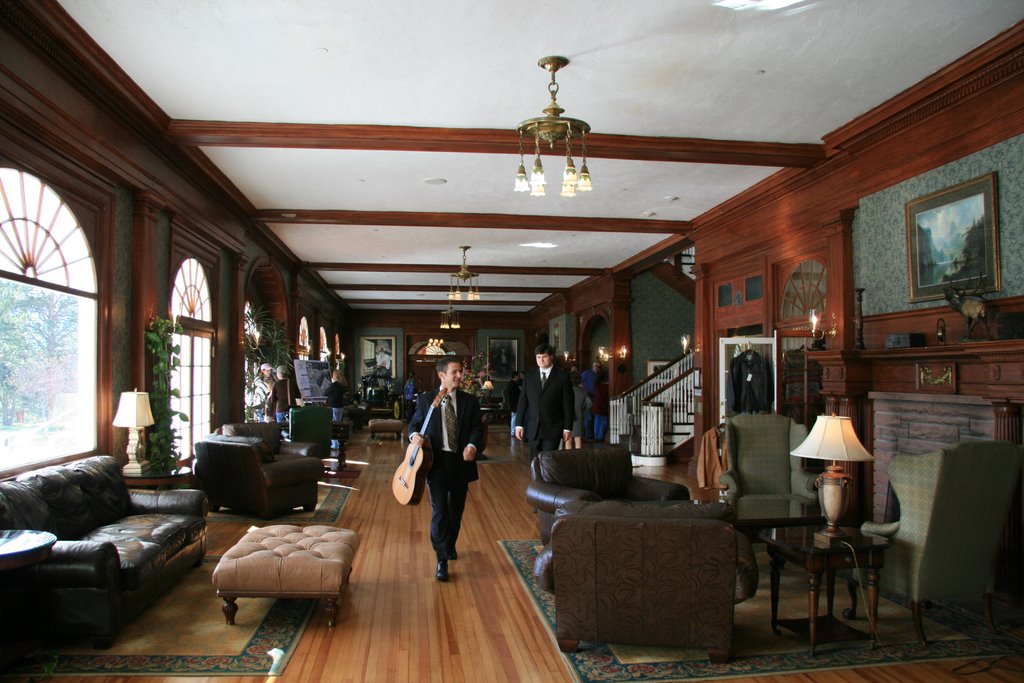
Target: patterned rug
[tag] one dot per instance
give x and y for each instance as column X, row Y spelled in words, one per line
column 331, row 498
column 954, row 633
column 184, row 633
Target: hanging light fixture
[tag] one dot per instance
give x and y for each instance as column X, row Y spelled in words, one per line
column 553, row 128
column 464, row 275
column 450, row 319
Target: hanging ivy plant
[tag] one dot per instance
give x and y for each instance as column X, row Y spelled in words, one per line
column 162, row 450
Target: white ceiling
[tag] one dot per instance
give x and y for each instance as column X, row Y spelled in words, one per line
column 672, row 68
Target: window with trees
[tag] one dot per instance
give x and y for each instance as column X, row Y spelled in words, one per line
column 47, row 326
column 303, row 347
column 325, row 349
column 190, row 305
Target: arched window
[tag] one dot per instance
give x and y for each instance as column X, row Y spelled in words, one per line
column 303, row 350
column 47, row 326
column 804, row 289
column 190, row 306
column 325, row 350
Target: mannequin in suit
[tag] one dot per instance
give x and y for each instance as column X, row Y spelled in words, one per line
column 544, row 415
column 454, row 464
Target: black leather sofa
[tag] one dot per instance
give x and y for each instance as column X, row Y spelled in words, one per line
column 117, row 549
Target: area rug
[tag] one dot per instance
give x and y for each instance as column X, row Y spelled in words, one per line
column 331, row 499
column 954, row 633
column 184, row 633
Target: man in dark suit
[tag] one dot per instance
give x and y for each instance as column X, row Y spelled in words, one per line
column 545, row 412
column 453, row 431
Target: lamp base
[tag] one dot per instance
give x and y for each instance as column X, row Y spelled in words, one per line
column 137, row 464
column 826, row 538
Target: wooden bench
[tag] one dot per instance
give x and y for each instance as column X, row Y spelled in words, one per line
column 285, row 561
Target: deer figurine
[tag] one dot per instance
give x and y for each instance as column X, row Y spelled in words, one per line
column 971, row 307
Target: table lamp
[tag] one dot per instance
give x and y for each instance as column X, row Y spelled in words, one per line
column 133, row 412
column 832, row 438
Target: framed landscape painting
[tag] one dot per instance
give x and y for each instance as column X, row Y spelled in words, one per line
column 502, row 356
column 953, row 240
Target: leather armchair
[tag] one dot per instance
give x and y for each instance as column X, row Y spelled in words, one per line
column 759, row 460
column 271, row 433
column 589, row 474
column 242, row 473
column 953, row 507
column 651, row 574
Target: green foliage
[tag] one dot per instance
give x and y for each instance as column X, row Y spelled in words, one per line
column 162, row 450
column 265, row 342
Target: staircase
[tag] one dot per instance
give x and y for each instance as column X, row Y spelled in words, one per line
column 655, row 416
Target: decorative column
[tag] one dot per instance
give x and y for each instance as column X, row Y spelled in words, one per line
column 858, row 318
column 144, row 284
column 839, row 263
column 620, row 376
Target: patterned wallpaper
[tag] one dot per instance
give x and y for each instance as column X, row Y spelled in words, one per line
column 659, row 317
column 879, row 232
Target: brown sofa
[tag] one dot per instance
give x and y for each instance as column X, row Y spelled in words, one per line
column 589, row 474
column 657, row 574
column 117, row 549
column 242, row 470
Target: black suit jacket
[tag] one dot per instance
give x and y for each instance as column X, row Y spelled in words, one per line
column 468, row 424
column 548, row 413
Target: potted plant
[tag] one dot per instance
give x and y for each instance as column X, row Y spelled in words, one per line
column 165, row 353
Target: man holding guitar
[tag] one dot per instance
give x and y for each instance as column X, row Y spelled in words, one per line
column 452, row 431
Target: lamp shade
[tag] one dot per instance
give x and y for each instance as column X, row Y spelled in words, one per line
column 133, row 410
column 832, row 438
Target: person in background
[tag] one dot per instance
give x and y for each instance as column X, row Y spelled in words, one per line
column 336, row 396
column 588, row 381
column 261, row 387
column 512, row 391
column 600, row 409
column 544, row 414
column 283, row 395
column 581, row 407
column 454, row 430
column 409, row 394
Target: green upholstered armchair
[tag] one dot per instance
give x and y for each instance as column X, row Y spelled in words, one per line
column 759, row 460
column 311, row 423
column 953, row 507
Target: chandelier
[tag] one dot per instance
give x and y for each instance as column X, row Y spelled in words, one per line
column 553, row 128
column 450, row 319
column 463, row 275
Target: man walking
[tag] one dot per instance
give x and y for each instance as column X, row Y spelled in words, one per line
column 453, row 432
column 589, row 382
column 544, row 415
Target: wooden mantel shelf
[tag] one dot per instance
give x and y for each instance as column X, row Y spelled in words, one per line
column 988, row 369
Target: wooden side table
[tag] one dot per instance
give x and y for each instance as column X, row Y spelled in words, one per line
column 797, row 544
column 158, row 480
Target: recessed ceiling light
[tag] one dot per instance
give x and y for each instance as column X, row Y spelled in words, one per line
column 287, row 215
column 434, row 181
column 671, row 198
column 539, row 245
column 763, row 5
column 650, row 214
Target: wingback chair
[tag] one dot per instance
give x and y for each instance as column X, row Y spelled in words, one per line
column 311, row 424
column 589, row 474
column 953, row 507
column 759, row 460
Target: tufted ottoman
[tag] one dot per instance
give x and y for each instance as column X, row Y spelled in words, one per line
column 285, row 561
column 387, row 426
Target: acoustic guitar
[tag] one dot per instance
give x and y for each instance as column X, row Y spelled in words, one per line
column 410, row 477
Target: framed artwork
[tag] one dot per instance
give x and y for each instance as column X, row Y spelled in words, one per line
column 502, row 357
column 377, row 357
column 654, row 366
column 953, row 240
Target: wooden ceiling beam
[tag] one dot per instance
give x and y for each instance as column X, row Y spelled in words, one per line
column 439, row 302
column 444, row 288
column 486, row 141
column 500, row 221
column 447, row 269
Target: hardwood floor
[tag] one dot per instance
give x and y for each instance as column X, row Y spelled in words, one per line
column 397, row 623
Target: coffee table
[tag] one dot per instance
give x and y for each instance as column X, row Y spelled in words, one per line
column 797, row 544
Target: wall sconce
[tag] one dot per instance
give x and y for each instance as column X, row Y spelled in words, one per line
column 685, row 342
column 623, row 352
column 940, row 331
column 818, row 334
column 602, row 354
column 133, row 412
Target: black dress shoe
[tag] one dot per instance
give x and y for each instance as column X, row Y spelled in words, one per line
column 452, row 555
column 442, row 571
